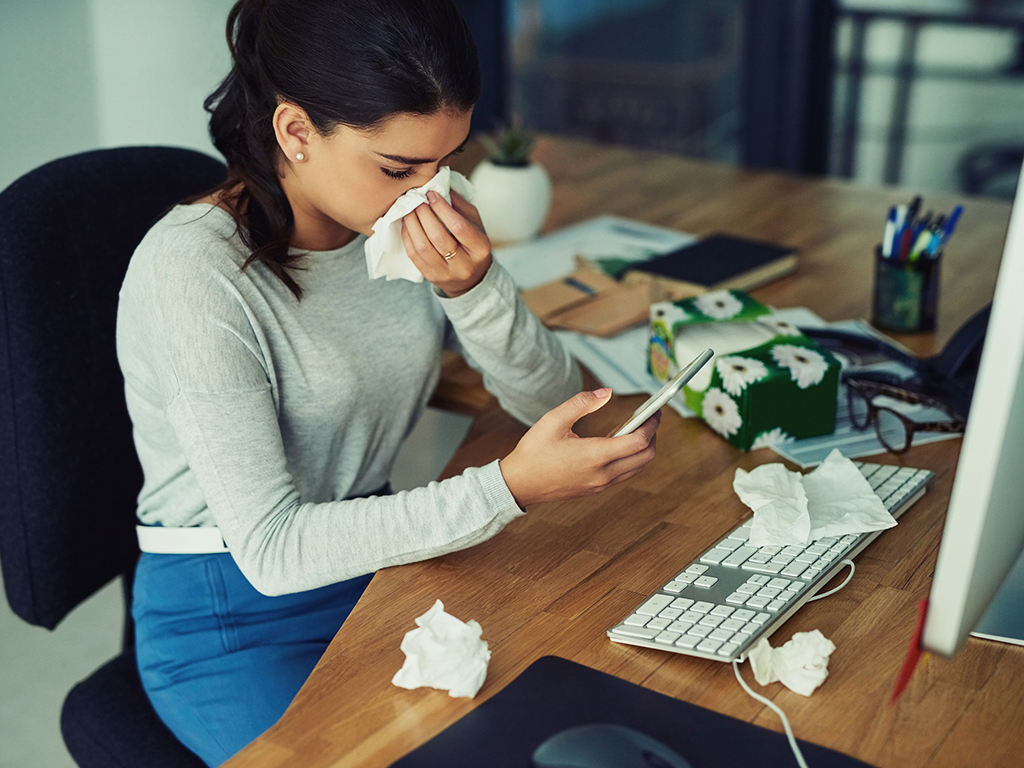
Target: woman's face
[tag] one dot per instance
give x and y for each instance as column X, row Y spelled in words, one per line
column 350, row 178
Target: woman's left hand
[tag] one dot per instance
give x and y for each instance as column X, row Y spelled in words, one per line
column 447, row 243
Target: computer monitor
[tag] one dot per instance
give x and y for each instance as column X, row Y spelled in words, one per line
column 984, row 531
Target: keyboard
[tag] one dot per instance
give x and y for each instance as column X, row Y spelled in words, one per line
column 719, row 606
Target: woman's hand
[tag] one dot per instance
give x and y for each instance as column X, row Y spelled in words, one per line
column 447, row 243
column 551, row 462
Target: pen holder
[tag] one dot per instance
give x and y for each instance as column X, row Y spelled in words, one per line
column 906, row 293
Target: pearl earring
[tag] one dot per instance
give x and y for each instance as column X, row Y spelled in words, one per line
column 300, row 156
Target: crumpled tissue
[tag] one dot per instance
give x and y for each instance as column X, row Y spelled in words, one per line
column 444, row 653
column 385, row 251
column 800, row 664
column 790, row 508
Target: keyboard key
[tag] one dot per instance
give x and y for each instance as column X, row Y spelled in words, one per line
column 721, row 634
column 711, row 621
column 692, row 616
column 671, row 613
column 682, row 602
column 680, row 626
column 758, row 580
column 757, row 602
column 738, row 556
column 761, row 618
column 748, row 588
column 743, row 614
column 715, row 556
column 675, row 587
column 776, row 605
column 667, row 638
column 658, row 623
column 779, row 583
column 762, row 567
column 705, row 582
column 686, row 578
column 642, row 633
column 696, row 569
column 728, row 649
column 721, row 610
column 793, row 569
column 654, row 605
column 769, row 592
column 702, row 607
column 636, row 620
column 737, row 598
column 709, row 646
column 732, row 624
column 697, row 631
column 688, row 642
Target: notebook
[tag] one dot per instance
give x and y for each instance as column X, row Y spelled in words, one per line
column 554, row 694
column 718, row 262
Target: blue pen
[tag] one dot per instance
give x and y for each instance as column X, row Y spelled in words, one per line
column 951, row 222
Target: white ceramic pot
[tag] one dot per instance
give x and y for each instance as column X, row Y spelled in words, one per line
column 513, row 200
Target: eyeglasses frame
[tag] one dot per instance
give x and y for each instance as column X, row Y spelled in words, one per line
column 872, row 389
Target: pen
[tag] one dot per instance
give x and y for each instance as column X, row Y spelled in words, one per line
column 920, row 244
column 951, row 222
column 890, row 233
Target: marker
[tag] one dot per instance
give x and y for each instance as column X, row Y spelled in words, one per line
column 951, row 222
column 920, row 244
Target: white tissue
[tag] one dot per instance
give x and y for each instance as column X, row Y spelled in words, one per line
column 385, row 251
column 444, row 653
column 790, row 508
column 801, row 664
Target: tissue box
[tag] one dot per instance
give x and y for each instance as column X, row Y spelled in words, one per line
column 768, row 383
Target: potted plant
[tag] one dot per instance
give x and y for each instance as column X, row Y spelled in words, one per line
column 513, row 193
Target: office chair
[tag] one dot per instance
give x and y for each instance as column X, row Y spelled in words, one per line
column 69, row 475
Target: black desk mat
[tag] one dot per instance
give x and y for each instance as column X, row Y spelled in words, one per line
column 553, row 694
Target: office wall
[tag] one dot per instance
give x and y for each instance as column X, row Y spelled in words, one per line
column 82, row 74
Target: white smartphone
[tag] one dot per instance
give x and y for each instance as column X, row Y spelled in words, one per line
column 666, row 393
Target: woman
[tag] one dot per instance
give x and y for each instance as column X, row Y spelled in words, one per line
column 271, row 381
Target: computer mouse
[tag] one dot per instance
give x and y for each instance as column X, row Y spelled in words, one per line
column 605, row 745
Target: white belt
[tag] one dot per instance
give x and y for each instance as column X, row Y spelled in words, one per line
column 180, row 541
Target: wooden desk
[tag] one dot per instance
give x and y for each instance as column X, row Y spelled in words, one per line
column 553, row 581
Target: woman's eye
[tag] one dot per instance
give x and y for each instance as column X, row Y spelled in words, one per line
column 397, row 174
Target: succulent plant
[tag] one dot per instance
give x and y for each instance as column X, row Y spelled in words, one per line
column 509, row 146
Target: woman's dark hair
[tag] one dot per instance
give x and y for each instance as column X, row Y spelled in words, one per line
column 345, row 62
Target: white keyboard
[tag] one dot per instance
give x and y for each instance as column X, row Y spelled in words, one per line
column 723, row 603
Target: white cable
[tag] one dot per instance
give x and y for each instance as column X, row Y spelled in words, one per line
column 777, row 710
column 833, row 591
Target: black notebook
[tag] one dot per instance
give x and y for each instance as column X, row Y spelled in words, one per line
column 722, row 261
column 553, row 694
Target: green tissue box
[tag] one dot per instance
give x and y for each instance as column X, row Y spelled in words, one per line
column 767, row 383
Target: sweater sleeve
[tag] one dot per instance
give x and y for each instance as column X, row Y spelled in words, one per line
column 523, row 363
column 201, row 391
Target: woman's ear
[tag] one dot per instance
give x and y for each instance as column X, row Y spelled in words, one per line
column 293, row 130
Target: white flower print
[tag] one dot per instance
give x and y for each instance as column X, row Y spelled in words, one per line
column 779, row 327
column 806, row 367
column 668, row 313
column 721, row 413
column 721, row 305
column 737, row 372
column 771, row 437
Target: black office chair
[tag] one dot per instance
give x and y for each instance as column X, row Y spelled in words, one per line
column 69, row 475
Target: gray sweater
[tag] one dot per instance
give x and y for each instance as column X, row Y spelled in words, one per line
column 260, row 414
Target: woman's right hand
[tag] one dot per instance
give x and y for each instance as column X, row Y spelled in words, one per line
column 552, row 462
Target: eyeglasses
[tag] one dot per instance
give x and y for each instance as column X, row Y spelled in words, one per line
column 895, row 430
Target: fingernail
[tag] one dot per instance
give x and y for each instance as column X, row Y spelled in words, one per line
column 603, row 392
column 432, row 196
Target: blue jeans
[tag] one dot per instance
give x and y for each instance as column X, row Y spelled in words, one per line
column 219, row 661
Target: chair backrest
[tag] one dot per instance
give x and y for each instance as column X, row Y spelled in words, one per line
column 69, row 475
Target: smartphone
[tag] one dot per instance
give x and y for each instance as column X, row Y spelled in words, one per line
column 666, row 393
